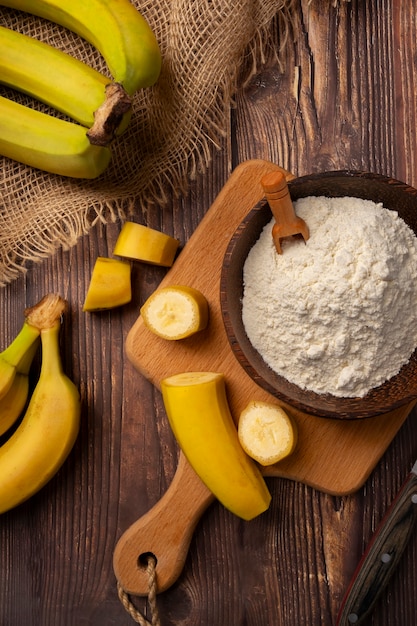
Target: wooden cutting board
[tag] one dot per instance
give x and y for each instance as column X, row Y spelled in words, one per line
column 334, row 456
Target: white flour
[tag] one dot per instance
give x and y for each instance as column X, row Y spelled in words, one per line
column 337, row 314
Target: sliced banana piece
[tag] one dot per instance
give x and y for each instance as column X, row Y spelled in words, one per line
column 266, row 432
column 110, row 285
column 146, row 244
column 175, row 312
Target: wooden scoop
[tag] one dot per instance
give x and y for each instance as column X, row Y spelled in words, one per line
column 287, row 223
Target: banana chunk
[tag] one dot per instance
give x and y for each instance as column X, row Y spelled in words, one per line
column 142, row 243
column 266, row 432
column 115, row 27
column 175, row 312
column 110, row 285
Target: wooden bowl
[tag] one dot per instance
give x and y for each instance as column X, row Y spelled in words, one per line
column 395, row 392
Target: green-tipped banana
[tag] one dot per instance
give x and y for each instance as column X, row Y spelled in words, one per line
column 14, row 358
column 48, row 143
column 64, row 83
column 42, row 441
column 18, row 355
column 114, row 27
column 13, row 403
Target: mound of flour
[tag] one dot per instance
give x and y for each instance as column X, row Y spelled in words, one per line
column 337, row 314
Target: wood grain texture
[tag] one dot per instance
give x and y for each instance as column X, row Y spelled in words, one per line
column 347, row 98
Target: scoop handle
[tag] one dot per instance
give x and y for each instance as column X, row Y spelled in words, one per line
column 287, row 223
column 277, row 193
column 165, row 532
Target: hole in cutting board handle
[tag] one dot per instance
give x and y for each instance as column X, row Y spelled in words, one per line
column 143, row 559
column 163, row 532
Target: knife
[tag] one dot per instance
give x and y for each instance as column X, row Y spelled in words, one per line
column 381, row 556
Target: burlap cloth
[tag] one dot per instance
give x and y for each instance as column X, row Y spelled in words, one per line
column 175, row 127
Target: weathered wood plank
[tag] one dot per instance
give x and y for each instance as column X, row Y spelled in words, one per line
column 347, row 98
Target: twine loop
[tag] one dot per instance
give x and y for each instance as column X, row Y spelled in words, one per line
column 134, row 613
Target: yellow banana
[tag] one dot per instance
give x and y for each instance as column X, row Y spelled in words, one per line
column 13, row 403
column 199, row 414
column 47, row 433
column 114, row 27
column 48, row 143
column 61, row 81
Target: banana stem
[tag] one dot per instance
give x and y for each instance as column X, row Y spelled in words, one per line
column 109, row 116
column 51, row 356
column 46, row 312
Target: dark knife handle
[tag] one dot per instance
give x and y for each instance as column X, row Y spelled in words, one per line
column 381, row 556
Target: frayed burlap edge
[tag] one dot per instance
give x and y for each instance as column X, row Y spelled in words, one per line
column 208, row 49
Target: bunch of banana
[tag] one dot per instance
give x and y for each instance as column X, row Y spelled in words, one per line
column 100, row 106
column 41, row 442
column 77, row 89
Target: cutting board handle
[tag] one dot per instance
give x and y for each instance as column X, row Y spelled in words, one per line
column 165, row 532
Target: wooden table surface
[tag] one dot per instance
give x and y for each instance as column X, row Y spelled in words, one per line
column 347, row 98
